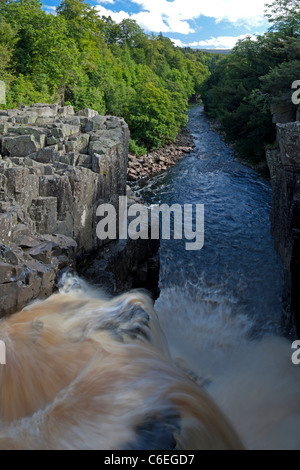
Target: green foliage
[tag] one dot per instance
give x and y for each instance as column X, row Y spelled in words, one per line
column 277, row 83
column 136, row 149
column 152, row 117
column 256, row 75
column 7, row 41
column 284, row 15
column 22, row 91
column 86, row 96
column 80, row 58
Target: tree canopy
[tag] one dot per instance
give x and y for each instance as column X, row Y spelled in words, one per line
column 256, row 76
column 284, row 15
column 77, row 57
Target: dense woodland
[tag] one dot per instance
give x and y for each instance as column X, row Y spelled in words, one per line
column 77, row 57
column 254, row 76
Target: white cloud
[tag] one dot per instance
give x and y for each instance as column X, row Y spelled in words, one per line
column 116, row 16
column 176, row 15
column 178, row 43
column 50, row 9
column 221, row 42
column 151, row 21
column 154, row 21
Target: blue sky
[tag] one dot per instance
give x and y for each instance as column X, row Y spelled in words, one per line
column 203, row 24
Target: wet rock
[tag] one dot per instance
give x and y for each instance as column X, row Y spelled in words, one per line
column 27, row 241
column 62, row 245
column 7, row 222
column 9, row 255
column 284, row 165
column 9, row 273
column 28, row 281
column 125, row 264
column 42, row 252
column 283, row 112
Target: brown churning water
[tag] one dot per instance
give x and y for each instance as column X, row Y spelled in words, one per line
column 87, row 372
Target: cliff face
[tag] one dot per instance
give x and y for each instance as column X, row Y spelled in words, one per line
column 55, row 169
column 284, row 164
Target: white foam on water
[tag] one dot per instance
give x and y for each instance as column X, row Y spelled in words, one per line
column 253, row 381
column 200, row 331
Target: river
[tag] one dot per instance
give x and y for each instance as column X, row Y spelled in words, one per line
column 237, row 278
column 75, row 378
column 221, row 307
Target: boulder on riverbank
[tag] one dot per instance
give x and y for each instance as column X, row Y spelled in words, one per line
column 161, row 159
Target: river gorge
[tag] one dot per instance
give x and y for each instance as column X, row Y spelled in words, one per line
column 220, row 308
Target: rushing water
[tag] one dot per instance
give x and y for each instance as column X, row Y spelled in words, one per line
column 238, row 272
column 88, row 371
column 218, row 304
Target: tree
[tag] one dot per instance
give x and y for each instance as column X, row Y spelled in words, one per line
column 55, row 57
column 7, row 42
column 151, row 116
column 128, row 32
column 131, row 33
column 83, row 20
column 25, row 17
column 284, row 15
column 77, row 57
column 245, row 84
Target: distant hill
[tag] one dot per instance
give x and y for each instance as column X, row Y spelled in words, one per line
column 217, row 51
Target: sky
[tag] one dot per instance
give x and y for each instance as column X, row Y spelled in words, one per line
column 200, row 24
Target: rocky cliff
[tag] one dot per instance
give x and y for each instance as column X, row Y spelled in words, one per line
column 56, row 167
column 284, row 164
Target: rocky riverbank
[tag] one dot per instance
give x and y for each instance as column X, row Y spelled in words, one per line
column 161, row 159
